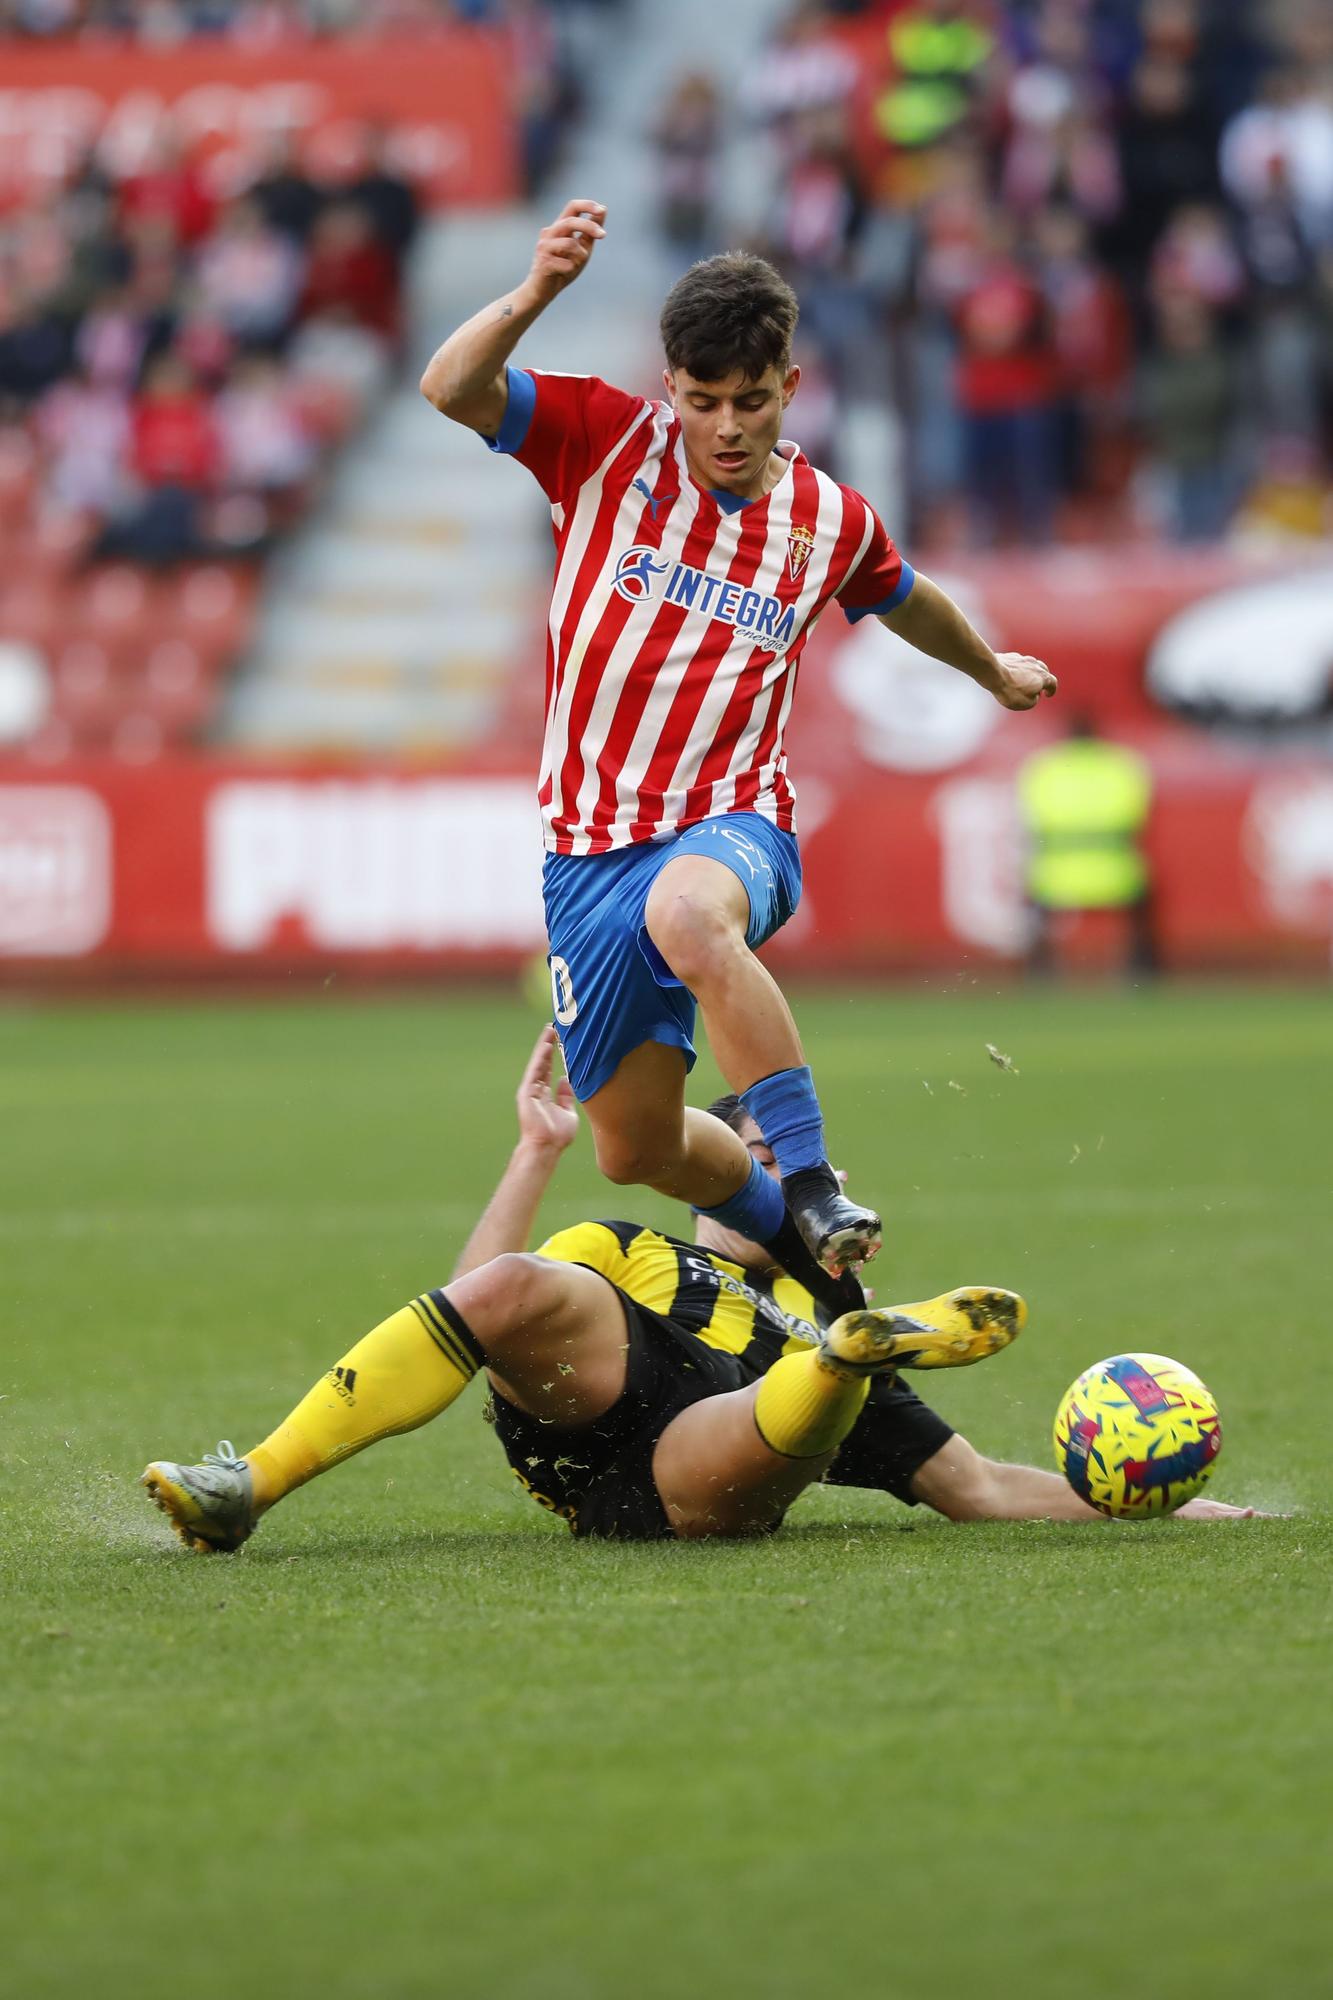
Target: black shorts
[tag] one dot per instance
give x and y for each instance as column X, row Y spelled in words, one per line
column 599, row 1476
column 890, row 1442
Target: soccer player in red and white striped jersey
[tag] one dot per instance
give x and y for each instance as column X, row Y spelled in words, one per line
column 694, row 550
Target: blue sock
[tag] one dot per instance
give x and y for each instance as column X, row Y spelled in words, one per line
column 757, row 1210
column 786, row 1110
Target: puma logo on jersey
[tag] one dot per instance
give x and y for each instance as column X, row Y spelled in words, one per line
column 654, row 500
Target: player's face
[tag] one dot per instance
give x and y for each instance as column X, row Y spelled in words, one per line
column 729, row 1243
column 730, row 428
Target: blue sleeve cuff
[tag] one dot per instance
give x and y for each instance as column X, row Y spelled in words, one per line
column 517, row 420
column 856, row 612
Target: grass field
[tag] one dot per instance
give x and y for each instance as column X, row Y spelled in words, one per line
column 415, row 1741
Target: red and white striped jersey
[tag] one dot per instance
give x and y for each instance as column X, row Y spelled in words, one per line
column 676, row 624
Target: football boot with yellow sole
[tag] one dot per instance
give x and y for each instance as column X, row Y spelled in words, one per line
column 210, row 1505
column 952, row 1331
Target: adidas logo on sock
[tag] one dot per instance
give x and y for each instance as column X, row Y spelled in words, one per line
column 344, row 1381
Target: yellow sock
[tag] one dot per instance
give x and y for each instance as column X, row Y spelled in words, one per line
column 805, row 1408
column 403, row 1373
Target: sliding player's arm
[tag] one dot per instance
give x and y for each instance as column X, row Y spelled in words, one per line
column 929, row 619
column 547, row 1124
column 963, row 1486
column 466, row 378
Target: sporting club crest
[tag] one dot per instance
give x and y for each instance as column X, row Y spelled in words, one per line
column 799, row 544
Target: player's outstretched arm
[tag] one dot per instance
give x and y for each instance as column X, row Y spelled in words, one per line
column 963, row 1486
column 547, row 1123
column 465, row 379
column 929, row 619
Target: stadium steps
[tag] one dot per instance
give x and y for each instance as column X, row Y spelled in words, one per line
column 396, row 617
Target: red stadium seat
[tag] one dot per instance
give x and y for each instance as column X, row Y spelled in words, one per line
column 51, row 744
column 86, row 696
column 138, row 738
column 18, row 480
column 30, row 608
column 177, row 689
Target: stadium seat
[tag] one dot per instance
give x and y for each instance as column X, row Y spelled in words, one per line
column 18, row 480
column 138, row 738
column 176, row 689
column 87, row 699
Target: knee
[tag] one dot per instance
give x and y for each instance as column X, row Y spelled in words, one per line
column 694, row 936
column 639, row 1158
column 503, row 1297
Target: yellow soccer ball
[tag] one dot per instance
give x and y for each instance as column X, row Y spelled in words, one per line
column 1137, row 1434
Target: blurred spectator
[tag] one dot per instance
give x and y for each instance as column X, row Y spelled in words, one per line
column 83, row 426
column 266, row 442
column 34, row 346
column 169, row 190
column 1291, row 325
column 1196, row 253
column 1008, row 386
column 174, row 463
column 1063, row 155
column 688, row 137
column 1188, row 397
column 349, row 269
column 113, row 339
column 249, row 275
column 282, row 191
column 1290, row 504
column 387, row 198
column 1289, row 125
column 1092, row 335
column 950, row 251
column 814, row 233
column 1168, row 155
column 544, row 87
column 332, row 348
column 1085, row 804
column 804, row 68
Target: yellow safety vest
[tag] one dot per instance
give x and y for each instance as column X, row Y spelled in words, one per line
column 1084, row 805
column 935, row 61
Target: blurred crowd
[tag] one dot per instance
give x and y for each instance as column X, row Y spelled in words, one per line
column 187, row 334
column 161, row 22
column 1081, row 249
column 180, row 351
column 179, row 364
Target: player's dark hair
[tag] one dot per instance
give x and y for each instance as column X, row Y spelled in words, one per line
column 729, row 1108
column 729, row 312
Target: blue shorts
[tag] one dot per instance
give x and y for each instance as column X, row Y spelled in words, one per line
column 610, row 987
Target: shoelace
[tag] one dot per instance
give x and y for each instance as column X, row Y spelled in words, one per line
column 224, row 1458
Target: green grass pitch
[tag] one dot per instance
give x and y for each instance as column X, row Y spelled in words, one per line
column 416, row 1741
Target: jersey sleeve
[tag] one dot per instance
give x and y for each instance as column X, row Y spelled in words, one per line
column 881, row 579
column 593, row 1244
column 563, row 426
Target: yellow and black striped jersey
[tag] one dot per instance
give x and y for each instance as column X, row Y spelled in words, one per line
column 753, row 1314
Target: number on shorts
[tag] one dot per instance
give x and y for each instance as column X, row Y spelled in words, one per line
column 566, row 1007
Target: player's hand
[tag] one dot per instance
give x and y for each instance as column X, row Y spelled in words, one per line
column 1023, row 681
column 1217, row 1510
column 564, row 247
column 548, row 1118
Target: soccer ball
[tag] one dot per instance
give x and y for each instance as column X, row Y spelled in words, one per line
column 1137, row 1435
